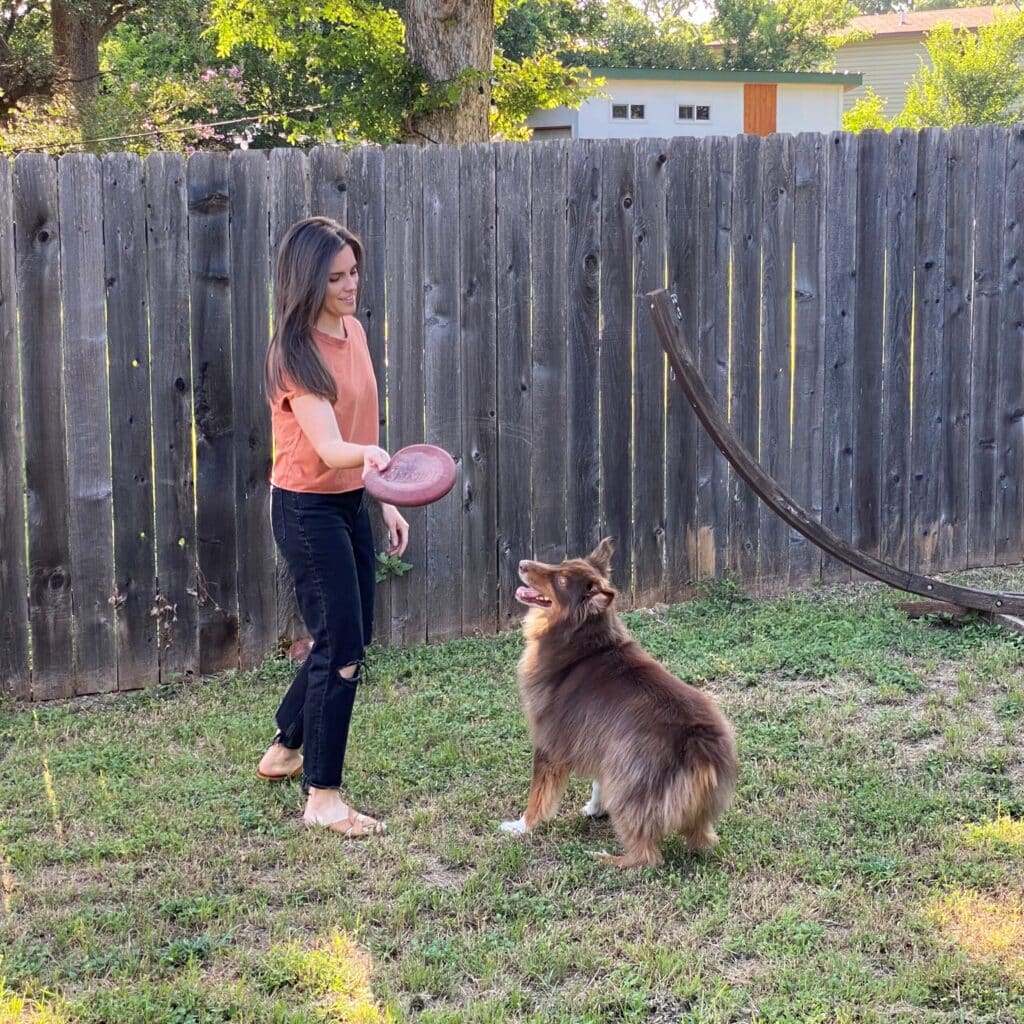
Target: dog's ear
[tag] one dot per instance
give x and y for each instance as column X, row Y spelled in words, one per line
column 602, row 597
column 601, row 557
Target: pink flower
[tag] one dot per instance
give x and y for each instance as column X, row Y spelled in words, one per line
column 235, row 72
column 208, row 74
column 134, row 87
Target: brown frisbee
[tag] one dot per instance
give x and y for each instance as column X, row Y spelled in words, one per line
column 416, row 475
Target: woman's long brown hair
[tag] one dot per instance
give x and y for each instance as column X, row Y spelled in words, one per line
column 300, row 287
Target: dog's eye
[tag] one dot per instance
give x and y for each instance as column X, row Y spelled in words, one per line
column 561, row 581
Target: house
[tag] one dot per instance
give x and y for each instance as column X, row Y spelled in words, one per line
column 642, row 102
column 895, row 50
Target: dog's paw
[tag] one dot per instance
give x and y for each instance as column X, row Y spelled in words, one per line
column 517, row 827
column 592, row 809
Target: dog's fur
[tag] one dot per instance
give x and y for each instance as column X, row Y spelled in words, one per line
column 661, row 753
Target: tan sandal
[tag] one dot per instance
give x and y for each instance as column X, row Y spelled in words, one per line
column 352, row 826
column 280, row 776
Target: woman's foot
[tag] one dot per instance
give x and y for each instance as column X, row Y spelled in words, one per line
column 326, row 809
column 279, row 763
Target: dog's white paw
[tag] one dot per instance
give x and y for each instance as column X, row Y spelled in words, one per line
column 517, row 827
column 592, row 808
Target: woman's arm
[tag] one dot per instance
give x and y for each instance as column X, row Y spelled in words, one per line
column 398, row 529
column 316, row 418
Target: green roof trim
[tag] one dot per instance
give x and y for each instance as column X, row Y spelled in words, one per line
column 848, row 79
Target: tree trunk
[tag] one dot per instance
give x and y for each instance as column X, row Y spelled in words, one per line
column 78, row 30
column 445, row 38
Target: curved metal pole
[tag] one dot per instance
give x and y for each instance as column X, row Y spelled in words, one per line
column 667, row 323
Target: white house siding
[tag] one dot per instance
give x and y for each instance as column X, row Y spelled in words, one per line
column 801, row 107
column 661, row 101
column 809, row 108
column 887, row 65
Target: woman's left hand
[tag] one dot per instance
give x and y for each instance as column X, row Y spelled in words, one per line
column 398, row 529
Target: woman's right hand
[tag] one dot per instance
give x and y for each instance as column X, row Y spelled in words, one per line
column 374, row 458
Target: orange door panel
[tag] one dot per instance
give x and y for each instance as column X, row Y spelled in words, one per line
column 759, row 107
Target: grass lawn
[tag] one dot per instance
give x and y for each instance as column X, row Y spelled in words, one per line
column 871, row 868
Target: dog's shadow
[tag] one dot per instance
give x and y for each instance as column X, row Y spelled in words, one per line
column 595, row 836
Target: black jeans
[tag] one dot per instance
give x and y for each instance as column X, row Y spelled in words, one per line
column 328, row 544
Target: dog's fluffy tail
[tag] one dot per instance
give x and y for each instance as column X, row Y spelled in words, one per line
column 704, row 787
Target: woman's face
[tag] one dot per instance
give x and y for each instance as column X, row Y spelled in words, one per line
column 342, row 284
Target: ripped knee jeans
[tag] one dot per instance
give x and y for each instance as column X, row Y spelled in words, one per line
column 327, row 543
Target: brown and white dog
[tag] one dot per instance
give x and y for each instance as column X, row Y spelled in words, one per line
column 661, row 753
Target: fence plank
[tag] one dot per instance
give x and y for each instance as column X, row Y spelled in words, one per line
column 1010, row 432
column 210, row 275
column 954, row 495
column 615, row 357
column 777, row 351
column 809, row 332
column 479, row 395
column 87, row 404
column 549, row 288
column 364, row 214
column 250, row 334
column 867, row 351
column 928, row 361
column 650, row 238
column 582, row 494
column 682, row 429
column 329, row 182
column 403, row 205
column 982, row 455
column 900, row 258
column 289, row 202
column 716, row 175
column 37, row 234
column 177, row 612
column 15, row 677
column 840, row 303
column 744, row 399
column 517, row 446
column 131, row 416
column 442, row 378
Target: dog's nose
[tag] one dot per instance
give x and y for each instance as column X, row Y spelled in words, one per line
column 522, row 565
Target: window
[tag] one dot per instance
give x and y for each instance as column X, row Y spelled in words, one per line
column 628, row 111
column 693, row 112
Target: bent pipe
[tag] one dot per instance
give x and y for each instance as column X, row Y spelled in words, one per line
column 667, row 323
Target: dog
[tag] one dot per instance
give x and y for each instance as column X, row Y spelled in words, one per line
column 660, row 752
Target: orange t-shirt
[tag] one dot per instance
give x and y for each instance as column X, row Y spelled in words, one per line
column 297, row 467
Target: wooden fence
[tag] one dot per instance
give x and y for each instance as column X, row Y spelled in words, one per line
column 857, row 302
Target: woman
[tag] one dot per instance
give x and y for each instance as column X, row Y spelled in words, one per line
column 324, row 412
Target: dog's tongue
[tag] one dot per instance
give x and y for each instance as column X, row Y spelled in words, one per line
column 526, row 594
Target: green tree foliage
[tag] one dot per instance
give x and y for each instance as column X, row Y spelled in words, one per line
column 26, row 53
column 624, row 37
column 867, row 112
column 974, row 78
column 780, row 35
column 352, row 53
column 346, row 57
column 535, row 83
column 160, row 87
column 527, row 28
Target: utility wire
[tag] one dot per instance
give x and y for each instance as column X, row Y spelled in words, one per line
column 180, row 129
